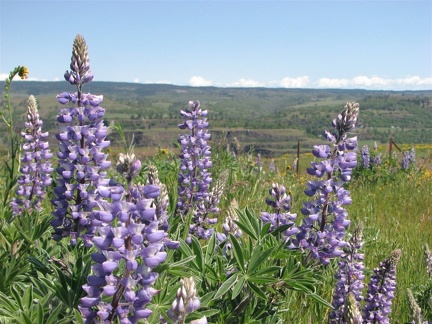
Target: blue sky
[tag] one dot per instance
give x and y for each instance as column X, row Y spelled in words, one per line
column 301, row 44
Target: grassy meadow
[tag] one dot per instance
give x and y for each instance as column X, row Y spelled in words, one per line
column 259, row 281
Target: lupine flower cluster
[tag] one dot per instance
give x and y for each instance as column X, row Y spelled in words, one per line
column 408, row 158
column 349, row 277
column 365, row 157
column 323, row 230
column 35, row 164
column 161, row 203
column 185, row 303
column 272, row 167
column 428, row 258
column 128, row 236
column 194, row 178
column 82, row 162
column 280, row 202
column 381, row 291
column 229, row 226
column 376, row 160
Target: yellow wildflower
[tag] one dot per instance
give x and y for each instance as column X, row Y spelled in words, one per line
column 23, row 72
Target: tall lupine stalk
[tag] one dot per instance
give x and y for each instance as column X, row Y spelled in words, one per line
column 12, row 163
column 35, row 166
column 381, row 289
column 349, row 278
column 129, row 245
column 194, row 178
column 281, row 204
column 82, row 162
column 322, row 232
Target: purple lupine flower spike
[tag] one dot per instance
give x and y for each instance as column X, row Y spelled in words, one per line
column 322, row 231
column 365, row 157
column 194, row 178
column 281, row 205
column 80, row 68
column 381, row 289
column 82, row 162
column 129, row 234
column 349, row 277
column 35, row 164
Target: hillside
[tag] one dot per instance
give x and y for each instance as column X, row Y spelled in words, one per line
column 268, row 120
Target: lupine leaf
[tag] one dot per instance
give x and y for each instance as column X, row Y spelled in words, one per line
column 258, row 257
column 246, row 229
column 226, row 285
column 238, row 287
column 238, row 252
column 245, row 225
column 265, row 229
column 267, row 271
column 210, row 248
column 258, row 292
column 196, row 247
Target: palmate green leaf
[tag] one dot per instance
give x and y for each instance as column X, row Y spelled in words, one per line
column 238, row 253
column 257, row 258
column 266, row 271
column 226, row 285
column 245, row 225
column 258, row 292
column 238, row 286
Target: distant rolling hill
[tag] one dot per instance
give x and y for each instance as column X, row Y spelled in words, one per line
column 266, row 120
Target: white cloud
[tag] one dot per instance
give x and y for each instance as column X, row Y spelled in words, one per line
column 136, row 80
column 374, row 81
column 333, row 83
column 246, row 83
column 415, row 81
column 299, row 82
column 197, row 81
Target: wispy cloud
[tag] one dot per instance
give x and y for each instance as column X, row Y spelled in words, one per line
column 197, row 81
column 377, row 83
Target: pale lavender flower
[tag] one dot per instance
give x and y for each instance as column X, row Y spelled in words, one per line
column 408, row 158
column 195, row 178
column 349, row 277
column 376, row 160
column 82, row 162
column 272, row 167
column 186, row 302
column 35, row 164
column 323, row 230
column 365, row 157
column 229, row 226
column 381, row 290
column 280, row 202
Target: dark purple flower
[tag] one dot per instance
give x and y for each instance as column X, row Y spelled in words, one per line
column 280, row 202
column 381, row 290
column 349, row 277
